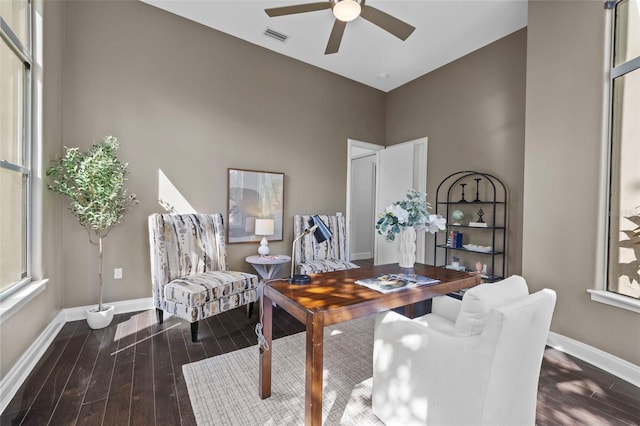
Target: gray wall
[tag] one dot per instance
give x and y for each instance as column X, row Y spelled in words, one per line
column 564, row 210
column 472, row 111
column 193, row 102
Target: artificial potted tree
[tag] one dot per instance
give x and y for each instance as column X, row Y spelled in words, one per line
column 94, row 182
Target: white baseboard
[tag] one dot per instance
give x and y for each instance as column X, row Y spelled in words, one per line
column 596, row 357
column 15, row 377
column 122, row 307
column 361, row 256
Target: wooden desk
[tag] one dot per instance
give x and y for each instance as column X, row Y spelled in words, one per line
column 333, row 298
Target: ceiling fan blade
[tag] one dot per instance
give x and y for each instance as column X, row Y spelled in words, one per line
column 336, row 37
column 398, row 28
column 297, row 8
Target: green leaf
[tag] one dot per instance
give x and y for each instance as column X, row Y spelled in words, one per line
column 94, row 182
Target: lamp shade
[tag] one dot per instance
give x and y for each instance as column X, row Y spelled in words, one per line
column 346, row 10
column 264, row 227
column 321, row 233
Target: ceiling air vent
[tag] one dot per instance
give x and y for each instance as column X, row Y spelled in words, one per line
column 275, row 34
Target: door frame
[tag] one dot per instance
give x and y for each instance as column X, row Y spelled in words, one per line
column 420, row 149
column 420, row 180
column 353, row 146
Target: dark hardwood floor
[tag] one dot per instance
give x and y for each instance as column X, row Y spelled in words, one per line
column 131, row 373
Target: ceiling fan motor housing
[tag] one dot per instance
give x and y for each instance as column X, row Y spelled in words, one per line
column 346, row 10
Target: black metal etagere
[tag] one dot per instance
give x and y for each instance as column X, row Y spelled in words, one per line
column 456, row 192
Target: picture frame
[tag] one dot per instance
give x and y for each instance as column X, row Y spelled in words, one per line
column 251, row 195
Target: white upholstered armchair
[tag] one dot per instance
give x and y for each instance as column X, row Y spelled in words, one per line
column 470, row 362
column 331, row 255
column 189, row 268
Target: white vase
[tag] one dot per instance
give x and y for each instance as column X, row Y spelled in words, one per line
column 101, row 319
column 407, row 247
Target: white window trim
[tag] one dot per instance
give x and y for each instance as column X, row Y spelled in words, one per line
column 24, row 54
column 13, row 299
column 615, row 299
column 602, row 294
column 17, row 299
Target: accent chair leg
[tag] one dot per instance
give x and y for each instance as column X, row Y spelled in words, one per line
column 159, row 316
column 194, row 331
column 250, row 310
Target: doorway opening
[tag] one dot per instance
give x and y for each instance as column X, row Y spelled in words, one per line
column 376, row 177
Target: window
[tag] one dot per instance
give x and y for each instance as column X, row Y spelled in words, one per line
column 15, row 143
column 623, row 272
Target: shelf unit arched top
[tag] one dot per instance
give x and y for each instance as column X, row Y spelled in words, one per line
column 455, row 178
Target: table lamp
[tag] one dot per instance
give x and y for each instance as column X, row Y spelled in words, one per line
column 321, row 233
column 264, row 227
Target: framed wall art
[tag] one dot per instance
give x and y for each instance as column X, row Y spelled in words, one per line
column 252, row 195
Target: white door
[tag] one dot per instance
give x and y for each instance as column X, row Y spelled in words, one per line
column 398, row 168
column 395, row 177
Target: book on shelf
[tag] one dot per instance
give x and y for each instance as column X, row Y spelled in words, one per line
column 454, row 239
column 393, row 282
column 478, row 224
column 458, row 239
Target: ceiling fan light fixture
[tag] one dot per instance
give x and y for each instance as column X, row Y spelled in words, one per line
column 346, row 10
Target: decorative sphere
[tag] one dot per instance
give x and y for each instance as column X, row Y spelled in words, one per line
column 457, row 215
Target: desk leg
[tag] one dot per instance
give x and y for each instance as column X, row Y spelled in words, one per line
column 313, row 371
column 265, row 354
column 410, row 311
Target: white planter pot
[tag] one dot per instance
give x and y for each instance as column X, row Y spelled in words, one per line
column 98, row 320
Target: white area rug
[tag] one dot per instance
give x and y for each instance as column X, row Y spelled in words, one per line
column 224, row 389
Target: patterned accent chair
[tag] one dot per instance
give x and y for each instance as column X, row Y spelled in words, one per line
column 189, row 269
column 331, row 255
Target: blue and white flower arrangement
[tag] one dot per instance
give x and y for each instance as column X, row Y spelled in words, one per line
column 412, row 212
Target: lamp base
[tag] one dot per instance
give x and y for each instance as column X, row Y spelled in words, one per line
column 300, row 279
column 263, row 250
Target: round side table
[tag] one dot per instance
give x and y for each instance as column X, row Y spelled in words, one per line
column 268, row 266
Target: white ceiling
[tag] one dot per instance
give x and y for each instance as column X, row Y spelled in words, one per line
column 445, row 30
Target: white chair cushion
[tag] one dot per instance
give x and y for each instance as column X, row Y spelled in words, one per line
column 478, row 301
column 447, row 307
column 436, row 322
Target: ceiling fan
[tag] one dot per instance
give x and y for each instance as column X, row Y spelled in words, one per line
column 345, row 11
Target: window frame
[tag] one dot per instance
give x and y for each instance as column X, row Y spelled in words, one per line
column 25, row 55
column 605, row 295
